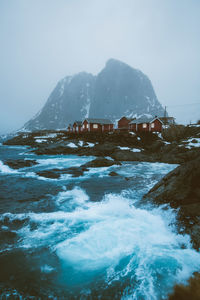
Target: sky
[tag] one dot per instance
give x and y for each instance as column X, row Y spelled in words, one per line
column 42, row 41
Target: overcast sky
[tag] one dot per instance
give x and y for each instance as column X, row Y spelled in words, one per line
column 42, row 41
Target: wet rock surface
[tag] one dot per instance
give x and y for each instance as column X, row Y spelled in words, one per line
column 20, row 163
column 57, row 173
column 153, row 147
column 181, row 189
column 100, row 162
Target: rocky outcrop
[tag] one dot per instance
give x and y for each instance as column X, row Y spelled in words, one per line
column 116, row 91
column 20, row 163
column 190, row 291
column 57, row 173
column 181, row 189
column 101, row 162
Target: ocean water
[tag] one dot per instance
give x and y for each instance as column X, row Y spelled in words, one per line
column 88, row 237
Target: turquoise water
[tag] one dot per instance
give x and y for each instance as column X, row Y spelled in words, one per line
column 87, row 237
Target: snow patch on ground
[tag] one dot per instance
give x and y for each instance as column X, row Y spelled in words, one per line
column 50, row 135
column 192, row 142
column 72, row 145
column 90, row 145
column 130, row 149
column 40, row 141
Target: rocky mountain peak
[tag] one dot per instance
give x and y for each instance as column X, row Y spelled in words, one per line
column 116, row 91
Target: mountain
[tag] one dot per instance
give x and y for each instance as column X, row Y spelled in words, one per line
column 118, row 90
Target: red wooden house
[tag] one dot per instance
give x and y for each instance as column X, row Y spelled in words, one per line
column 97, row 125
column 123, row 123
column 146, row 125
column 77, row 126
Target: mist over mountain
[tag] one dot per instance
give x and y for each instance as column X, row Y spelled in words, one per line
column 118, row 90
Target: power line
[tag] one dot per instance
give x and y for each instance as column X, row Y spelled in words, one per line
column 186, row 104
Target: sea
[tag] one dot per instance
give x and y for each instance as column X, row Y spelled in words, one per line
column 87, row 237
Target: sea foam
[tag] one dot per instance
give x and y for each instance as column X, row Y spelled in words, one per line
column 115, row 238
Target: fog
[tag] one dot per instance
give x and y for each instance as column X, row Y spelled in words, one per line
column 43, row 41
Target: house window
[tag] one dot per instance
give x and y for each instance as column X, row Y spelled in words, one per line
column 144, row 125
column 152, row 125
column 95, row 126
column 87, row 125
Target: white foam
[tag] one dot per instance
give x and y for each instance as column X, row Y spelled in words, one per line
column 72, row 198
column 110, row 231
column 6, row 170
column 64, row 161
column 47, row 269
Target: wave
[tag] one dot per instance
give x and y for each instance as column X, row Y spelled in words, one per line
column 115, row 238
column 5, row 169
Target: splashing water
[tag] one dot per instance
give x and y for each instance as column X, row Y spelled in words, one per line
column 5, row 169
column 122, row 242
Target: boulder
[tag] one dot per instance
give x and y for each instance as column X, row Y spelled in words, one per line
column 190, row 291
column 56, row 173
column 20, row 163
column 127, row 155
column 181, row 189
column 113, row 174
column 100, row 162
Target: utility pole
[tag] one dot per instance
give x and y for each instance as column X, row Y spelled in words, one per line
column 165, row 115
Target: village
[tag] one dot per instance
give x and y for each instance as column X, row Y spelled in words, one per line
column 142, row 124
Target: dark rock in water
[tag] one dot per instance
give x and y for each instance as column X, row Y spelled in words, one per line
column 56, row 173
column 190, row 291
column 49, row 174
column 76, row 171
column 124, row 90
column 181, row 189
column 113, row 174
column 100, row 162
column 20, row 163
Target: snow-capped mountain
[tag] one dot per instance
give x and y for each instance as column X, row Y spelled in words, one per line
column 118, row 90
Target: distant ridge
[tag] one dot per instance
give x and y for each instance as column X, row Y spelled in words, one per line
column 116, row 91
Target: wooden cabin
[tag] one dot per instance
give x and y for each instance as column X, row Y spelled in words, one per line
column 97, row 125
column 123, row 123
column 77, row 126
column 146, row 125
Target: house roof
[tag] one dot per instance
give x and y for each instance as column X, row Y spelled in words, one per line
column 166, row 118
column 79, row 123
column 129, row 119
column 144, row 120
column 99, row 121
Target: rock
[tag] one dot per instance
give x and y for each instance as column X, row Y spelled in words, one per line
column 20, row 163
column 104, row 149
column 113, row 174
column 100, row 162
column 56, row 173
column 190, row 291
column 49, row 174
column 126, row 155
column 181, row 189
column 124, row 90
